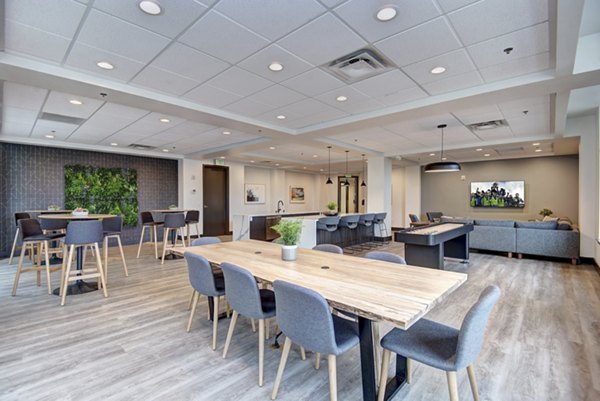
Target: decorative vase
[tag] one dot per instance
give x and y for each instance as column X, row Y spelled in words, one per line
column 288, row 252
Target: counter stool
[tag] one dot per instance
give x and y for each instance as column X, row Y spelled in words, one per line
column 52, row 226
column 365, row 224
column 379, row 221
column 81, row 234
column 192, row 217
column 32, row 234
column 326, row 225
column 18, row 216
column 112, row 228
column 349, row 223
column 148, row 222
column 176, row 222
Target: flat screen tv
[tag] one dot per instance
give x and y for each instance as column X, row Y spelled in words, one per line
column 498, row 194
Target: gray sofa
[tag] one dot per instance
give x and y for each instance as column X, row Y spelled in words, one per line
column 544, row 238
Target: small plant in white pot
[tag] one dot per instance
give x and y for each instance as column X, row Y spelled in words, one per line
column 331, row 208
column 289, row 231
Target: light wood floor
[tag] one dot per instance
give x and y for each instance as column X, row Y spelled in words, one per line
column 543, row 342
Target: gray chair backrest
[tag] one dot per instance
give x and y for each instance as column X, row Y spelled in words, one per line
column 205, row 241
column 29, row 228
column 242, row 291
column 52, row 224
column 431, row 216
column 366, row 219
column 113, row 224
column 414, row 218
column 147, row 217
column 472, row 329
column 174, row 220
column 21, row 215
column 303, row 315
column 349, row 221
column 84, row 232
column 329, row 223
column 380, row 217
column 192, row 216
column 386, row 257
column 201, row 275
column 331, row 248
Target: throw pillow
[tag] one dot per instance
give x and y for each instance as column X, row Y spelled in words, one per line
column 550, row 218
column 540, row 225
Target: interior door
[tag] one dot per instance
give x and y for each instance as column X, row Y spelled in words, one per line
column 215, row 193
column 348, row 195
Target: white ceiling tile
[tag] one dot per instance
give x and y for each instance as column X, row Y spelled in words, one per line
column 211, row 96
column 495, row 134
column 527, row 65
column 384, row 84
column 313, row 82
column 490, row 18
column 427, row 40
column 451, row 5
column 479, row 114
column 164, row 81
column 117, row 36
column 277, row 95
column 309, row 107
column 235, row 42
column 24, row 39
column 525, row 42
column 353, row 95
column 149, row 125
column 456, row 63
column 60, row 17
column 331, row 3
column 23, row 96
column 402, row 96
column 183, row 60
column 110, row 118
column 315, row 42
column 271, row 18
column 22, row 129
column 361, row 15
column 259, row 63
column 84, row 57
column 248, row 107
column 318, row 117
column 461, row 81
column 241, row 82
column 16, row 121
column 60, row 130
column 534, row 105
column 58, row 103
column 174, row 17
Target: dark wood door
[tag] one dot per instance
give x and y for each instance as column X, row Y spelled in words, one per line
column 215, row 193
column 348, row 194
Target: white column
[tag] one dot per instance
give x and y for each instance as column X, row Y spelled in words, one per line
column 190, row 187
column 412, row 192
column 379, row 189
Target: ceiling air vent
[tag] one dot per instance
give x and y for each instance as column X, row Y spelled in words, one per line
column 487, row 125
column 358, row 65
column 62, row 119
column 139, row 146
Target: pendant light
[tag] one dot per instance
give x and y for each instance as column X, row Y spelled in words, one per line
column 346, row 182
column 329, row 166
column 363, row 184
column 442, row 166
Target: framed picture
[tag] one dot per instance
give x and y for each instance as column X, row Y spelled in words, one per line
column 296, row 194
column 254, row 193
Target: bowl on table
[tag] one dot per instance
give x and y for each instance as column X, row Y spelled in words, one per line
column 80, row 212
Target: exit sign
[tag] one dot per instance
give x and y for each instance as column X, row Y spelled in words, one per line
column 219, row 162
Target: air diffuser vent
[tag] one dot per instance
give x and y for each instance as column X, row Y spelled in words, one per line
column 487, row 125
column 139, row 146
column 62, row 119
column 359, row 65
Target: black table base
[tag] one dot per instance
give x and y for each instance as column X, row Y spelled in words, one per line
column 79, row 287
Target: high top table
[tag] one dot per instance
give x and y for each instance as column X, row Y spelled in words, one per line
column 372, row 289
column 172, row 255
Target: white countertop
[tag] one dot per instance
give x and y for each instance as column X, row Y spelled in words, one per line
column 277, row 214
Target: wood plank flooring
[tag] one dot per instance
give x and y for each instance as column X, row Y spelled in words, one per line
column 543, row 342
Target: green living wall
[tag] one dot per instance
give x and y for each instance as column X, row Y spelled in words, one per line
column 103, row 190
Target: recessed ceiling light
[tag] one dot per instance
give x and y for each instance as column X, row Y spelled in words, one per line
column 251, row 161
column 275, row 66
column 272, row 147
column 49, row 136
column 315, row 155
column 164, row 120
column 165, row 150
column 438, row 70
column 487, row 154
column 341, row 98
column 150, row 7
column 277, row 164
column 478, row 150
column 320, row 169
column 105, row 65
column 226, row 133
column 536, row 144
column 76, row 102
column 538, row 150
column 222, row 157
column 444, row 158
column 304, row 167
column 114, row 144
column 432, row 154
column 281, row 117
column 386, row 13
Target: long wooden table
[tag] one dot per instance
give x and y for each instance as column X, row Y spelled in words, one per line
column 372, row 289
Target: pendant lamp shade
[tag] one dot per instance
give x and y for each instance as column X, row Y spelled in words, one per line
column 442, row 166
column 363, row 183
column 329, row 166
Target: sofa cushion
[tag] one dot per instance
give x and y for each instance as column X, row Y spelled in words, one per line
column 564, row 225
column 539, row 225
column 462, row 220
column 495, row 223
column 550, row 218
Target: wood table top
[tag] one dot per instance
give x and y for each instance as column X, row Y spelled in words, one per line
column 380, row 291
column 69, row 216
column 48, row 211
column 435, row 229
column 171, row 210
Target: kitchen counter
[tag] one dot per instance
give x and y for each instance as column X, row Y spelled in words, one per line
column 257, row 226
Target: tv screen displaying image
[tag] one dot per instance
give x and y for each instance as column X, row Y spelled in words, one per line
column 498, row 194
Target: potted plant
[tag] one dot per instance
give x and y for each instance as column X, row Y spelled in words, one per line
column 172, row 207
column 331, row 208
column 546, row 212
column 289, row 231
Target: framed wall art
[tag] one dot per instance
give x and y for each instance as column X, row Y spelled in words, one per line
column 254, row 193
column 296, row 194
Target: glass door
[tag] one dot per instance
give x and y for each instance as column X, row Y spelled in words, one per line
column 348, row 194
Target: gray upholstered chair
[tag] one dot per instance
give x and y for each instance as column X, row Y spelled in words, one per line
column 192, row 217
column 216, row 269
column 82, row 234
column 365, row 230
column 386, row 257
column 206, row 241
column 248, row 300
column 328, row 248
column 303, row 315
column 441, row 346
column 18, row 216
column 173, row 222
column 31, row 235
column 112, row 228
column 349, row 223
column 204, row 282
column 414, row 218
column 326, row 227
column 149, row 223
column 379, row 221
column 434, row 216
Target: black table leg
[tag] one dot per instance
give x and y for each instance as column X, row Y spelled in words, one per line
column 211, row 310
column 79, row 286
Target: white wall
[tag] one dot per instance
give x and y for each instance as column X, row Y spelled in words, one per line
column 398, row 200
column 310, row 183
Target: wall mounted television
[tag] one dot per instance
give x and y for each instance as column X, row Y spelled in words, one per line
column 498, row 194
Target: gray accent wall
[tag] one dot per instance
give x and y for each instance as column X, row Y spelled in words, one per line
column 550, row 182
column 32, row 177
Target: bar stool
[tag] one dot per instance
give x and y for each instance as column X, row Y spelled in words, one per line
column 326, row 225
column 174, row 223
column 18, row 216
column 192, row 217
column 112, row 228
column 365, row 224
column 379, row 221
column 81, row 234
column 148, row 221
column 32, row 234
column 52, row 226
column 349, row 223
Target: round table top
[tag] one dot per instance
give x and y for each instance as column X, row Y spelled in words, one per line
column 69, row 216
column 49, row 211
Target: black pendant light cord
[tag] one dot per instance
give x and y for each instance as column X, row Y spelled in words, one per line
column 442, row 126
column 329, row 166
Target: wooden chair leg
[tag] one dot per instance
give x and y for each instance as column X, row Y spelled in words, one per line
column 155, row 242
column 191, row 299
column 473, row 381
column 189, row 237
column 165, row 235
column 45, row 245
column 122, row 256
column 253, row 325
column 261, row 352
column 18, row 275
column 62, row 270
column 100, row 269
column 38, row 277
column 317, row 360
column 408, row 370
column 105, row 245
column 230, row 332
column 332, row 369
column 215, row 322
column 14, row 247
column 385, row 363
column 67, row 274
column 284, row 356
column 452, row 386
column 194, row 303
column 141, row 240
column 302, row 354
column 267, row 329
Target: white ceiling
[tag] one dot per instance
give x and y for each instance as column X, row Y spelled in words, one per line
column 203, row 65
